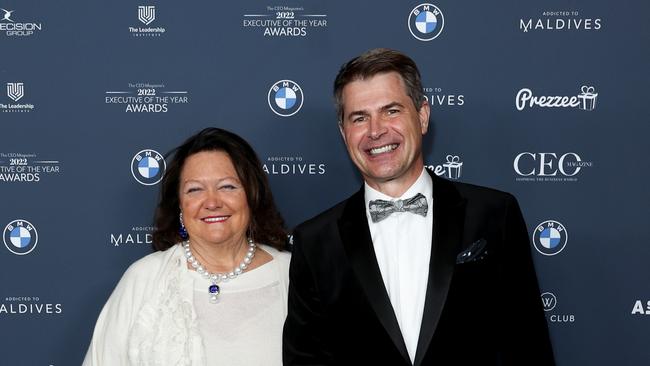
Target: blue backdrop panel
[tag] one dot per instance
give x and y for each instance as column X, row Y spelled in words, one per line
column 544, row 100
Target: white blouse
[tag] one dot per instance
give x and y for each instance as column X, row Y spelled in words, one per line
column 159, row 314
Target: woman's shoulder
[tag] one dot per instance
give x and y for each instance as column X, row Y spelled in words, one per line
column 282, row 257
column 150, row 264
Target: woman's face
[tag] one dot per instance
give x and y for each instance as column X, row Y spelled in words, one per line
column 213, row 200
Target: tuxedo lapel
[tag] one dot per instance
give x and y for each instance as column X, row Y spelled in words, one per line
column 448, row 217
column 355, row 235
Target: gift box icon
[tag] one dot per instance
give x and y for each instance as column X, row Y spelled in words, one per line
column 453, row 166
column 587, row 98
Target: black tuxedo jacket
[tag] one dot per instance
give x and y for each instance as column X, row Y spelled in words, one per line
column 481, row 308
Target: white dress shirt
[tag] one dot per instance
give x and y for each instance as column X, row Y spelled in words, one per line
column 402, row 244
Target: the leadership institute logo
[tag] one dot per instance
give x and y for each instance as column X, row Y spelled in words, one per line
column 20, row 237
column 148, row 167
column 147, row 14
column 15, row 91
column 285, row 98
column 550, row 237
column 426, row 22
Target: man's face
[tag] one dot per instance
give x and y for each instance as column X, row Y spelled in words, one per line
column 383, row 130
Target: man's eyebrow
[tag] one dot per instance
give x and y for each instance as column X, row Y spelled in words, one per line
column 391, row 105
column 364, row 112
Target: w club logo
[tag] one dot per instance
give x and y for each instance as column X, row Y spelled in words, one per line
column 15, row 91
column 147, row 14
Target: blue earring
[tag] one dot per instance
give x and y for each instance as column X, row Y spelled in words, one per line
column 182, row 231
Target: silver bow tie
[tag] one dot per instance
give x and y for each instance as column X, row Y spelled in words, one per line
column 381, row 209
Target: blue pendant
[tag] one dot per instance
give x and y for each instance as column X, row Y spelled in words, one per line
column 214, row 289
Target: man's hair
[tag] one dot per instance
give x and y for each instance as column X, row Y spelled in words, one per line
column 378, row 61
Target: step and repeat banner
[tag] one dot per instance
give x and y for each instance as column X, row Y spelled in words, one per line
column 546, row 100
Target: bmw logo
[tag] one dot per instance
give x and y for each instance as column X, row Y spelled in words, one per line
column 148, row 167
column 20, row 237
column 426, row 22
column 285, row 98
column 550, row 237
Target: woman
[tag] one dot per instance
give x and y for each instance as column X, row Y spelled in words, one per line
column 214, row 292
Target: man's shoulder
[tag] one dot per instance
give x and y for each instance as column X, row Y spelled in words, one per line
column 481, row 196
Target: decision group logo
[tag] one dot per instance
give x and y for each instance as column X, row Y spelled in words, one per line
column 148, row 167
column 15, row 92
column 285, row 98
column 550, row 237
column 20, row 237
column 12, row 28
column 426, row 22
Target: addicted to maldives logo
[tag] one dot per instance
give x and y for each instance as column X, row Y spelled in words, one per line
column 20, row 237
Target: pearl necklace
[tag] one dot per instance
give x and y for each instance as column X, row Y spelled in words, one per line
column 215, row 278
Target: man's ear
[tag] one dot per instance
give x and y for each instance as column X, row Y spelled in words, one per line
column 424, row 114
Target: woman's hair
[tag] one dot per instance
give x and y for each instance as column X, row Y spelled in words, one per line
column 266, row 225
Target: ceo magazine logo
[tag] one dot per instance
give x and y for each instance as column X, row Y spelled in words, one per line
column 585, row 101
column 549, row 166
column 562, row 21
column 15, row 93
column 143, row 97
column 11, row 25
column 550, row 302
column 285, row 21
column 146, row 16
column 550, row 237
column 426, row 22
column 641, row 308
column 285, row 98
column 20, row 237
column 439, row 98
column 292, row 165
column 148, row 167
column 25, row 167
column 136, row 235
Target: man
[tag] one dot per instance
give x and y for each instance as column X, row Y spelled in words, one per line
column 412, row 269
